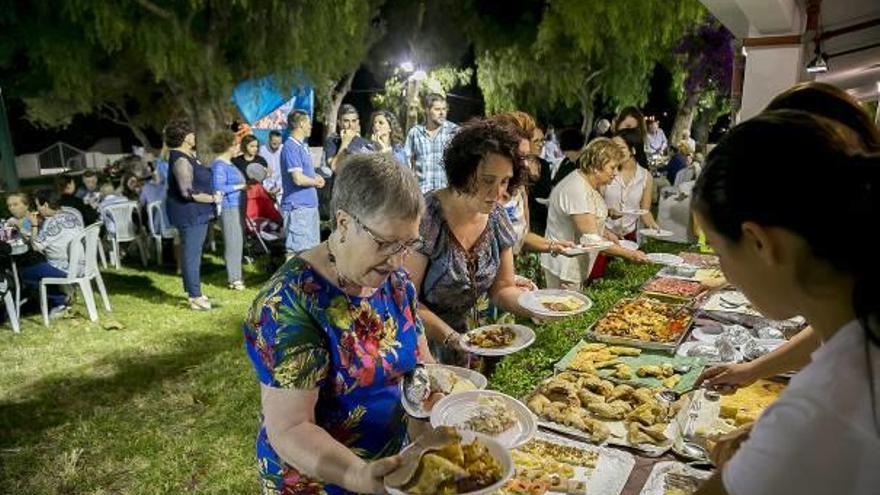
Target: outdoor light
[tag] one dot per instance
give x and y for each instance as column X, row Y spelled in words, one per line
column 419, row 75
column 407, row 66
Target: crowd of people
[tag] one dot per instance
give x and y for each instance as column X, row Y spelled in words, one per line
column 411, row 255
column 425, row 230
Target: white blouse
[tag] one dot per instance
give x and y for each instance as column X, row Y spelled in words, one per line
column 820, row 436
column 572, row 196
column 621, row 196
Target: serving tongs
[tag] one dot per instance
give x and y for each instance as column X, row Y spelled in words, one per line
column 430, row 441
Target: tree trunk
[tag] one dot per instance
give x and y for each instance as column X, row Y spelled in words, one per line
column 684, row 119
column 703, row 123
column 333, row 100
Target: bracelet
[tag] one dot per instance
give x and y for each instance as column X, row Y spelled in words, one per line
column 449, row 336
column 550, row 248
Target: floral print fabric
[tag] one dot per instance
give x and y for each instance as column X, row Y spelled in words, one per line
column 304, row 333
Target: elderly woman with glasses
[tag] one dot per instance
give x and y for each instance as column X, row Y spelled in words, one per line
column 331, row 335
column 468, row 250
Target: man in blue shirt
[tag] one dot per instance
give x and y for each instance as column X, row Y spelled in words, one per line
column 299, row 184
column 425, row 144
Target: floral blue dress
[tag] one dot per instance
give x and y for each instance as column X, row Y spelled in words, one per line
column 302, row 332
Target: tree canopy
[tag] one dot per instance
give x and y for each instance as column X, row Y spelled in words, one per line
column 584, row 50
column 151, row 58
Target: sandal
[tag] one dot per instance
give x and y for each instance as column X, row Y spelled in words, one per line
column 237, row 285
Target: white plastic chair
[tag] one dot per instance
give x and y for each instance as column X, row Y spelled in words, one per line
column 11, row 306
column 125, row 230
column 158, row 229
column 82, row 269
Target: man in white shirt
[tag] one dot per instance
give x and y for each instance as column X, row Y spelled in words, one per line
column 656, row 143
column 271, row 152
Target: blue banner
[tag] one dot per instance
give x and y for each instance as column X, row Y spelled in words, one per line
column 265, row 107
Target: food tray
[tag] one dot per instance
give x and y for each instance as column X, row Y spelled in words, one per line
column 675, row 298
column 618, row 433
column 668, row 347
column 700, row 259
column 612, row 470
column 656, row 483
column 645, row 358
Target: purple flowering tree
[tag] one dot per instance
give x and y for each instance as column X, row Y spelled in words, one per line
column 705, row 61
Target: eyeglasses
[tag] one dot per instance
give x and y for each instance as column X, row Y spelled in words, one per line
column 390, row 248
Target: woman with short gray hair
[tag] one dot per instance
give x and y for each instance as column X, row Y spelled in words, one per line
column 332, row 333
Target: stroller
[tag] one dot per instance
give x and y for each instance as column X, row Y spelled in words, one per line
column 263, row 222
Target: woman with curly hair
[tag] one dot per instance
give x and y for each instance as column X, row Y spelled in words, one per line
column 468, row 237
column 387, row 136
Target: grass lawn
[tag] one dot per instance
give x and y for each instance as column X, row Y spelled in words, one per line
column 168, row 403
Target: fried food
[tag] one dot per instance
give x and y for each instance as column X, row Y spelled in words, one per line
column 561, row 304
column 661, row 371
column 644, row 319
column 638, row 433
column 455, row 468
column 622, row 372
column 672, row 381
column 492, row 337
column 620, row 350
column 586, row 401
column 621, row 392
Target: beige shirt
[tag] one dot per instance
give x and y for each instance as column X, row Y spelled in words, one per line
column 572, row 196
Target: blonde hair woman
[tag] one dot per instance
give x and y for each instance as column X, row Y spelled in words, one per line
column 576, row 207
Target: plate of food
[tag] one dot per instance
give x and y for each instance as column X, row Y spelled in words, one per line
column 450, row 462
column 440, row 379
column 497, row 340
column 643, row 322
column 551, row 464
column 633, row 366
column 594, row 409
column 656, row 233
column 627, row 244
column 664, row 259
column 674, row 478
column 589, row 244
column 491, row 413
column 555, row 302
column 701, row 260
column 674, row 288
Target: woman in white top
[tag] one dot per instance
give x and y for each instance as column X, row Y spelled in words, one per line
column 822, row 435
column 630, row 191
column 576, row 208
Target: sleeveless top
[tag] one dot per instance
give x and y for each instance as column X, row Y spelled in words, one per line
column 455, row 278
column 625, row 197
column 182, row 210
